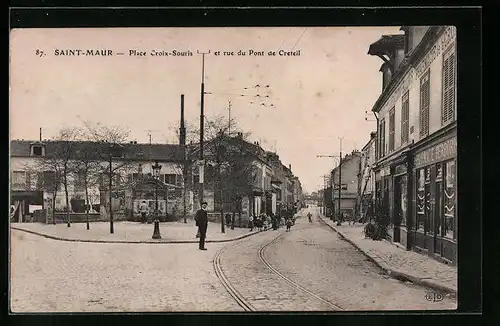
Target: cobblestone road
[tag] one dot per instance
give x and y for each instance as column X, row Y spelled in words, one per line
column 318, row 259
column 55, row 276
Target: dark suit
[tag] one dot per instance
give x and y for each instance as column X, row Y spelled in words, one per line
column 201, row 218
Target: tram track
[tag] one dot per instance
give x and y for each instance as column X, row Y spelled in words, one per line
column 242, row 301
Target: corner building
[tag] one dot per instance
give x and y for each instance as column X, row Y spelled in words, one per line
column 416, row 146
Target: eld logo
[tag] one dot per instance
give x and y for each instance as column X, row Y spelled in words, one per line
column 434, row 296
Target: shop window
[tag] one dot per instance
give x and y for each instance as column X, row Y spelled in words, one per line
column 420, row 200
column 428, row 214
column 439, row 200
column 404, row 198
column 405, row 118
column 449, row 75
column 424, row 104
column 450, row 199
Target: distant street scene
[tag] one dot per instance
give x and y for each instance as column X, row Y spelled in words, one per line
column 249, row 169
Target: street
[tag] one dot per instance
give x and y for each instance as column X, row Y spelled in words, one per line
column 308, row 269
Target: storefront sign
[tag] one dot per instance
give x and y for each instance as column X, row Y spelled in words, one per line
column 438, row 153
column 400, row 169
column 386, row 171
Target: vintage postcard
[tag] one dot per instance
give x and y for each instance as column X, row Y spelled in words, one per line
column 233, row 169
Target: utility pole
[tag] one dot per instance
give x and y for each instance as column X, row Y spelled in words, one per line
column 339, row 221
column 202, row 117
column 111, row 227
column 229, row 121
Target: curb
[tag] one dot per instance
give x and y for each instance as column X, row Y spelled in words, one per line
column 393, row 273
column 133, row 242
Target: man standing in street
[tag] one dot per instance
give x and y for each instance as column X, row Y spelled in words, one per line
column 144, row 210
column 201, row 219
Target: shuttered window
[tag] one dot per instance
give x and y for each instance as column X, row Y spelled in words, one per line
column 449, row 75
column 391, row 129
column 382, row 138
column 405, row 118
column 424, row 104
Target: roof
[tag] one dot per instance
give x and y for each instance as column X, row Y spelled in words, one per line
column 160, row 152
column 387, row 43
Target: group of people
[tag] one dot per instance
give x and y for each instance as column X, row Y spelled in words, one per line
column 262, row 222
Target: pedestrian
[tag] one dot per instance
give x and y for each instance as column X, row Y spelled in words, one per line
column 309, row 217
column 288, row 224
column 201, row 219
column 250, row 222
column 144, row 211
column 258, row 224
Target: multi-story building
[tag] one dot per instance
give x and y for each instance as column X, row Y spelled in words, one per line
column 415, row 171
column 348, row 171
column 37, row 178
column 367, row 177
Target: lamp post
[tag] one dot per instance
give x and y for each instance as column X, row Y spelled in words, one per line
column 156, row 172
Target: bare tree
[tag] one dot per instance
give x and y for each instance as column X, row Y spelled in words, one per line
column 49, row 170
column 110, row 144
column 87, row 167
column 59, row 158
column 231, row 169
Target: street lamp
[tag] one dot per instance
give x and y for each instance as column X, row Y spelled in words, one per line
column 156, row 173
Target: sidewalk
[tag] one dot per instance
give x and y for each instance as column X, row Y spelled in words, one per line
column 397, row 262
column 132, row 232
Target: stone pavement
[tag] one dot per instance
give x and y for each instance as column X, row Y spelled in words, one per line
column 51, row 276
column 132, row 232
column 398, row 262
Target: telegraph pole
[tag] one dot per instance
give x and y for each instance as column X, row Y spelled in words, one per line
column 339, row 221
column 229, row 121
column 202, row 117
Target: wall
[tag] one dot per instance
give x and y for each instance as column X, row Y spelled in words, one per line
column 411, row 81
column 350, row 170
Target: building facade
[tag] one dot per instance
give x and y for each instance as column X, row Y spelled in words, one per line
column 37, row 179
column 348, row 171
column 367, row 179
column 415, row 171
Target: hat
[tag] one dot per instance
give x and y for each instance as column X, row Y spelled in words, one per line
column 204, row 203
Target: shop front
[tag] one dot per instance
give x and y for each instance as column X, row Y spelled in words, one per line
column 383, row 191
column 435, row 217
column 400, row 202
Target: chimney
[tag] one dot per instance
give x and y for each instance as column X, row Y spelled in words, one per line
column 290, row 167
column 40, row 133
column 182, row 129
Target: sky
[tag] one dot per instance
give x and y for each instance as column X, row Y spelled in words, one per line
column 313, row 98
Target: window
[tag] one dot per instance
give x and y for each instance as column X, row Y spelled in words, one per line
column 449, row 200
column 449, row 74
column 196, row 178
column 170, row 178
column 49, row 179
column 19, row 179
column 405, row 117
column 424, row 104
column 382, row 138
column 79, row 181
column 420, row 199
column 37, row 150
column 391, row 129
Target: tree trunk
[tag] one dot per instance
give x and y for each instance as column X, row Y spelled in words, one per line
column 54, row 206
column 67, row 198
column 88, row 202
